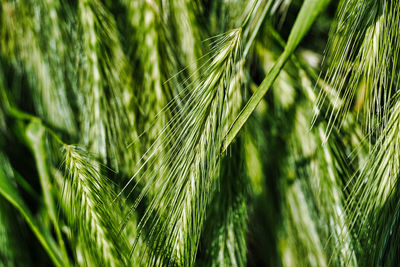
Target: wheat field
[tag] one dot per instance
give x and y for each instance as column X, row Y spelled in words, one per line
column 199, row 133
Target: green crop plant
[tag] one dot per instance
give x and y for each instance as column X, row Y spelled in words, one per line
column 199, row 133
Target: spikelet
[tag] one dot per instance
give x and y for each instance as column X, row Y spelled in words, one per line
column 363, row 61
column 223, row 240
column 189, row 168
column 373, row 206
column 102, row 77
column 88, row 204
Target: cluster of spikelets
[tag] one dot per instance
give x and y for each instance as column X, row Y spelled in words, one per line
column 183, row 133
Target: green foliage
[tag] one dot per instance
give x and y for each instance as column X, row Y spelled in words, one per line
column 199, row 133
